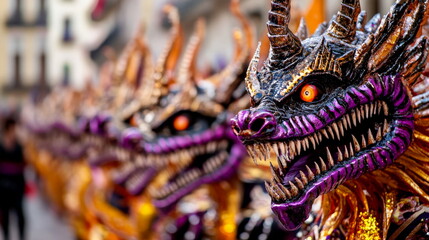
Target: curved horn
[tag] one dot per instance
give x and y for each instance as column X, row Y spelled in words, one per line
column 343, row 27
column 166, row 64
column 252, row 82
column 188, row 66
column 168, row 59
column 284, row 44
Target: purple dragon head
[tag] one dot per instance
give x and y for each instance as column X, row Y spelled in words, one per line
column 332, row 106
column 184, row 132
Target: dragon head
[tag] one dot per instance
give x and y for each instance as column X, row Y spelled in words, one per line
column 332, row 106
column 184, row 133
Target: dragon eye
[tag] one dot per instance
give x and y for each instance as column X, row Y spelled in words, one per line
column 181, row 123
column 134, row 121
column 309, row 93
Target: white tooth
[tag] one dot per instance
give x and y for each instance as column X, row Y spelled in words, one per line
column 256, row 153
column 282, row 164
column 322, row 164
column 269, row 150
column 325, row 133
column 283, row 161
column 337, row 132
column 306, row 144
column 224, row 144
column 292, row 149
column 276, row 149
column 293, row 188
column 249, row 151
column 316, row 138
column 349, row 124
column 346, row 152
column 356, row 144
column 359, row 114
column 309, row 172
column 317, row 168
column 385, row 109
column 205, row 168
column 344, row 124
column 174, row 184
column 330, row 158
column 304, row 178
column 188, row 178
column 354, row 117
column 264, row 151
column 379, row 136
column 385, row 126
column 275, row 174
column 271, row 191
column 340, row 155
column 331, row 132
column 181, row 181
column 260, row 152
column 195, row 174
column 319, row 136
column 299, row 183
column 363, row 142
column 283, row 148
column 286, row 192
column 298, row 146
column 279, row 149
column 351, row 150
column 313, row 141
column 377, row 107
column 371, row 139
column 341, row 128
column 211, row 147
column 277, row 189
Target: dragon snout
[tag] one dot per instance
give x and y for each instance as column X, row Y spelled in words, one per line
column 253, row 124
column 131, row 138
column 98, row 124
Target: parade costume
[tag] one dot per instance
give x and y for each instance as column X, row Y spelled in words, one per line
column 345, row 111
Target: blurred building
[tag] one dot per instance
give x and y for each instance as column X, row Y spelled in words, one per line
column 23, row 44
column 51, row 42
column 78, row 32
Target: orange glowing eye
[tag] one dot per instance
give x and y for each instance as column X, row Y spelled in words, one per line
column 181, row 123
column 134, row 121
column 309, row 93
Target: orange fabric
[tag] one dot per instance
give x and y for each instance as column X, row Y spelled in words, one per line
column 315, row 14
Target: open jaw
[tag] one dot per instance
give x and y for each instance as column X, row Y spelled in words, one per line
column 134, row 179
column 211, row 160
column 367, row 136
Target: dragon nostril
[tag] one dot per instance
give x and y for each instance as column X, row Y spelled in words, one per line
column 236, row 129
column 257, row 125
column 269, row 127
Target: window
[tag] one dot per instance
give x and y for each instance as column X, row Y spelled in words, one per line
column 15, row 18
column 66, row 74
column 67, row 35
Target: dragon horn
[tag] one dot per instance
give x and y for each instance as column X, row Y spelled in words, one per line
column 284, row 44
column 252, row 82
column 343, row 27
column 164, row 70
column 187, row 70
column 168, row 60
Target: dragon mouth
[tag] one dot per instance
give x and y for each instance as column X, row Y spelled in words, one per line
column 186, row 169
column 191, row 165
column 316, row 164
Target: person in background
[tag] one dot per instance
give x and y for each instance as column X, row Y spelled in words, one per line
column 12, row 182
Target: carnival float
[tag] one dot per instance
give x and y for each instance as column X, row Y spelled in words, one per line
column 337, row 124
